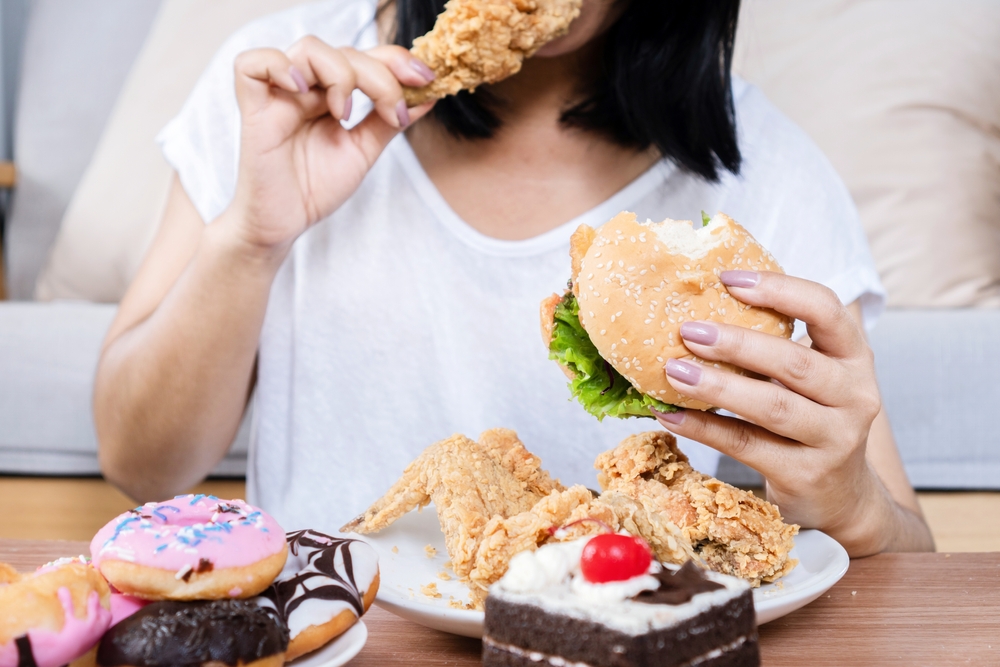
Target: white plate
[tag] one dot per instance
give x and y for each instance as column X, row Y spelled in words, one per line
column 405, row 567
column 337, row 652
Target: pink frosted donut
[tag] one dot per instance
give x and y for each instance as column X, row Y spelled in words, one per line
column 52, row 617
column 193, row 547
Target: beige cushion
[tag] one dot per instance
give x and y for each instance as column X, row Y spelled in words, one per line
column 114, row 212
column 904, row 97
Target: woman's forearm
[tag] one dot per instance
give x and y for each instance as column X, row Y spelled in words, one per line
column 170, row 391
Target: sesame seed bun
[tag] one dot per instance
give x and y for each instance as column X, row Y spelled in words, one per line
column 637, row 283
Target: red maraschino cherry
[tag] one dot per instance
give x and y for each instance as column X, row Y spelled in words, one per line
column 614, row 557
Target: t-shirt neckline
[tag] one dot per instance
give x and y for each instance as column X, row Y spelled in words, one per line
column 550, row 240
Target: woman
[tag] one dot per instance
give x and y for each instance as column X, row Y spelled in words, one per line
column 377, row 291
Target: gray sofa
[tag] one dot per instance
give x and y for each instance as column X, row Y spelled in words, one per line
column 936, row 367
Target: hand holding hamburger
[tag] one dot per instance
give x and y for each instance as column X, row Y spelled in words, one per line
column 633, row 286
column 808, row 433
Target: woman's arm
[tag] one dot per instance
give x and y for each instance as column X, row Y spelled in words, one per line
column 177, row 364
column 818, row 435
column 176, row 367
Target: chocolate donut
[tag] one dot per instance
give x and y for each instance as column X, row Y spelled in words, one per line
column 190, row 634
column 327, row 584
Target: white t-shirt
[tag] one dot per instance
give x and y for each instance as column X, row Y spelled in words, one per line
column 393, row 324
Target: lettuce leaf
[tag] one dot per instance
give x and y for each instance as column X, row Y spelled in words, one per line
column 601, row 390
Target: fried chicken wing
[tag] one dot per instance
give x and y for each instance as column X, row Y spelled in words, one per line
column 483, row 41
column 730, row 530
column 470, row 484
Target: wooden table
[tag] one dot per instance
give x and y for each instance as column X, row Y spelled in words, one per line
column 892, row 609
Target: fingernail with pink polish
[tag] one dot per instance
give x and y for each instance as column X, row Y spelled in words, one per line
column 299, row 80
column 674, row 418
column 402, row 113
column 684, row 371
column 702, row 333
column 348, row 105
column 422, row 70
column 740, row 278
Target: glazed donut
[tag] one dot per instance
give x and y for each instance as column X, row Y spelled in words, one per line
column 327, row 584
column 194, row 547
column 51, row 617
column 210, row 632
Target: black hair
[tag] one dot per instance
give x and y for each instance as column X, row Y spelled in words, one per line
column 663, row 81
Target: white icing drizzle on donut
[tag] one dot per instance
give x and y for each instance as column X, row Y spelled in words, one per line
column 322, row 577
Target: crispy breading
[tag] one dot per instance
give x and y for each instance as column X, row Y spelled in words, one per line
column 504, row 537
column 483, row 41
column 730, row 530
column 664, row 536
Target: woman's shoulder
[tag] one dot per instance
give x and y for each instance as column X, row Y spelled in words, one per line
column 774, row 148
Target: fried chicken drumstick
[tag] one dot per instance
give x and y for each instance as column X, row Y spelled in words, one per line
column 483, row 41
column 728, row 529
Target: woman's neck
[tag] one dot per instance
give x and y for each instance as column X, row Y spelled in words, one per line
column 535, row 173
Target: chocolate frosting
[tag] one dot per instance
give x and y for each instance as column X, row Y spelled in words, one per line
column 25, row 658
column 678, row 587
column 325, row 582
column 187, row 634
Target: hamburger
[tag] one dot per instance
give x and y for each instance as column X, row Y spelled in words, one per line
column 632, row 287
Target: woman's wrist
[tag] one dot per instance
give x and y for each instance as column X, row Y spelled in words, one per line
column 227, row 234
column 877, row 523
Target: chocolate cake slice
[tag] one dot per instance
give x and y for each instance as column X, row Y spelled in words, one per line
column 545, row 612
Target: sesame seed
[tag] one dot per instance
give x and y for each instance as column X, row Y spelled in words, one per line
column 604, row 331
column 614, row 346
column 646, row 321
column 589, row 276
column 619, row 313
column 612, row 318
column 621, row 263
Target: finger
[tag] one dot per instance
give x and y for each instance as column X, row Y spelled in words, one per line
column 766, row 404
column 380, row 84
column 745, row 442
column 801, row 369
column 409, row 71
column 828, row 321
column 326, row 67
column 373, row 134
column 257, row 71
